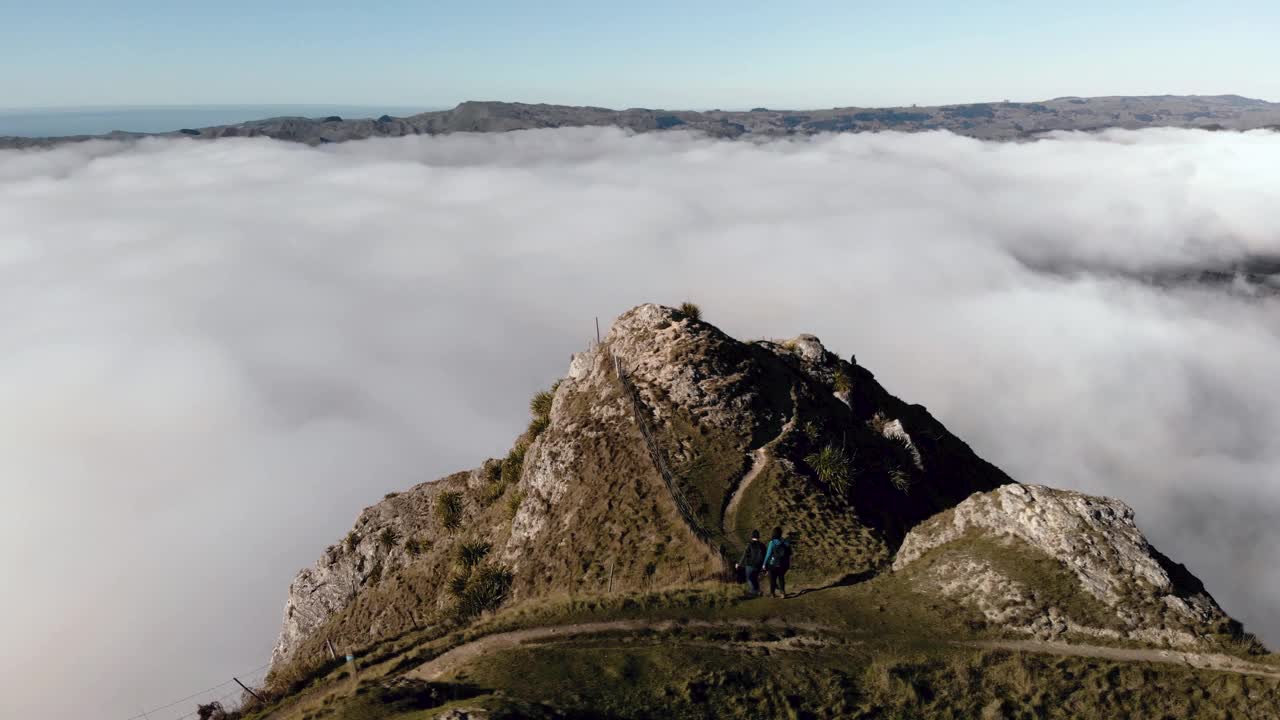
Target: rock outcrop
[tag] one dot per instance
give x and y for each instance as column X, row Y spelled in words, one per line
column 985, row 551
column 397, row 532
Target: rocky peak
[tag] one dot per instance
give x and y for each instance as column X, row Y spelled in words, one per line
column 667, row 443
column 1124, row 586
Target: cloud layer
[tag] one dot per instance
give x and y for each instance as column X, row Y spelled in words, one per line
column 214, row 354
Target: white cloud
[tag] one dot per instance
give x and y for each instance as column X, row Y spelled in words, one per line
column 215, row 353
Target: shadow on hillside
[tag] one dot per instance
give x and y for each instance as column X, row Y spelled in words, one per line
column 846, row 581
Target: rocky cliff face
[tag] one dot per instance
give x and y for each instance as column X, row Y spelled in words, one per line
column 1049, row 562
column 662, row 447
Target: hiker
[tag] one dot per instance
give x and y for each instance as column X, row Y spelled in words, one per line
column 777, row 561
column 752, row 562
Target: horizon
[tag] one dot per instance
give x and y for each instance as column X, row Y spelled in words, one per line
column 437, row 107
column 146, row 119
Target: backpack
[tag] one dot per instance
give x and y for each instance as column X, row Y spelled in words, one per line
column 781, row 556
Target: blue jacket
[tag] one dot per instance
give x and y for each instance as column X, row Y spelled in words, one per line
column 768, row 553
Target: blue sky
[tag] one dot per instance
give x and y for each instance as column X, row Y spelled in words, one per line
column 655, row 54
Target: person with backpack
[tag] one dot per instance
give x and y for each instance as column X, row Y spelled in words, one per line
column 777, row 561
column 752, row 562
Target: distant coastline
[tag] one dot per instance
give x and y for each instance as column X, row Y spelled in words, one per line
column 56, row 122
column 1003, row 121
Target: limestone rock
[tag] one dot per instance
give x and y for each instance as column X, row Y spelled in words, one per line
column 1092, row 538
column 379, row 543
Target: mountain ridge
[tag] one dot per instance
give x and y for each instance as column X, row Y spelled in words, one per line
column 988, row 121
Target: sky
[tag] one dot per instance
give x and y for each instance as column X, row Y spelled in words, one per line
column 731, row 55
column 217, row 353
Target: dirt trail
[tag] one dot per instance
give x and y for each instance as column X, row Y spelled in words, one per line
column 1199, row 661
column 759, row 458
column 461, row 655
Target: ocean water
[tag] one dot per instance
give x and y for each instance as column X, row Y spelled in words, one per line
column 95, row 121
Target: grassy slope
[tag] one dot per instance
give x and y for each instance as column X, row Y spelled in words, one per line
column 885, row 652
column 649, row 677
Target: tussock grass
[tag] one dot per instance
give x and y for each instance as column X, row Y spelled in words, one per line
column 513, row 504
column 471, row 554
column 832, row 466
column 449, row 509
column 538, row 425
column 842, row 382
column 486, row 589
column 540, row 404
column 414, row 547
column 513, row 464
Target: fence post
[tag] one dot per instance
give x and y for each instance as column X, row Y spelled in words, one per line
column 255, row 695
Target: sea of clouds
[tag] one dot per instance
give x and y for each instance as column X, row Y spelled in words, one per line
column 213, row 354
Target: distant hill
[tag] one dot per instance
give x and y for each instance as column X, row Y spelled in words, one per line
column 59, row 122
column 991, row 121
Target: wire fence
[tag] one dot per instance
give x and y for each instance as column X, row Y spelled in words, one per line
column 229, row 694
column 713, row 541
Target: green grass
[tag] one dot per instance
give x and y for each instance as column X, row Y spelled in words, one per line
column 748, row 674
column 828, row 539
column 705, row 479
column 407, row 700
column 884, row 651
